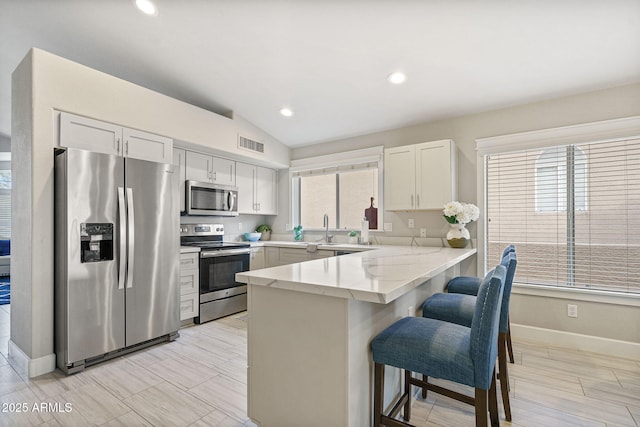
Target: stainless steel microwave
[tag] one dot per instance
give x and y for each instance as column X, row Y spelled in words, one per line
column 204, row 198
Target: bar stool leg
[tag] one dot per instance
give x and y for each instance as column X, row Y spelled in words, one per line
column 509, row 345
column 424, row 389
column 378, row 394
column 503, row 375
column 493, row 401
column 407, row 391
column 481, row 407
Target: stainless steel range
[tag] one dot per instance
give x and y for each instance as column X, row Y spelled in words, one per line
column 220, row 294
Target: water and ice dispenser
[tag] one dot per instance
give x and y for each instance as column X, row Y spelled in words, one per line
column 96, row 242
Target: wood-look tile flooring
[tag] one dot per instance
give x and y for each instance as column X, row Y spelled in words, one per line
column 200, row 380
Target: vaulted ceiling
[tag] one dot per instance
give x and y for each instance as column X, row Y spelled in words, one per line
column 328, row 60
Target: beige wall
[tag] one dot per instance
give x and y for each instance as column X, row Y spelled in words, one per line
column 551, row 313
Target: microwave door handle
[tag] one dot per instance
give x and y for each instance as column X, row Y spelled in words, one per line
column 231, row 200
column 131, row 233
column 122, row 263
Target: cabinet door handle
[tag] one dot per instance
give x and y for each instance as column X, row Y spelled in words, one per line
column 117, row 145
column 126, row 148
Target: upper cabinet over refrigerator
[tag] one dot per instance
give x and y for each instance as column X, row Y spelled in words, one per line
column 100, row 137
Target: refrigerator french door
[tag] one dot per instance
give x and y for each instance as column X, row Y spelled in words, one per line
column 117, row 256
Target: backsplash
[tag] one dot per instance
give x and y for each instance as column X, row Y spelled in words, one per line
column 234, row 227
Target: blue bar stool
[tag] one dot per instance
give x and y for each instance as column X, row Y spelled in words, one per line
column 459, row 309
column 469, row 285
column 439, row 349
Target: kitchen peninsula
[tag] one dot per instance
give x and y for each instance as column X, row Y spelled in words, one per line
column 310, row 325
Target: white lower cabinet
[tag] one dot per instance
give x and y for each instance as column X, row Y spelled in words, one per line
column 189, row 285
column 257, row 259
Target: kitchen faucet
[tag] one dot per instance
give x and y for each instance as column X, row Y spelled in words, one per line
column 325, row 224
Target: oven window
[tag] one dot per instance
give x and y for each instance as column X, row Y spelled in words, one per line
column 220, row 272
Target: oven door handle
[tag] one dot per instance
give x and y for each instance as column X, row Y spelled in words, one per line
column 226, row 252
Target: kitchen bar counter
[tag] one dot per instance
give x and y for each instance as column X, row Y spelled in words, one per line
column 310, row 325
column 377, row 275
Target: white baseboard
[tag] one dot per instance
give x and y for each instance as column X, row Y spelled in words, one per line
column 569, row 340
column 27, row 367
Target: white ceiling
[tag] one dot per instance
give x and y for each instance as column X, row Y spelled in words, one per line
column 328, row 60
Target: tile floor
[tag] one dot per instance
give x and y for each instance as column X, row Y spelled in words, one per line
column 200, row 380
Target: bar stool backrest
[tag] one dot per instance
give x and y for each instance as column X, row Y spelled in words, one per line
column 484, row 327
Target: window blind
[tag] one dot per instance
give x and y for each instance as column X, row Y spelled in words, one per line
column 573, row 212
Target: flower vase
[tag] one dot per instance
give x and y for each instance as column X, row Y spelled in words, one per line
column 458, row 236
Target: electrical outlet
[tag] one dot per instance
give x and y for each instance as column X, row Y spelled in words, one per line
column 423, row 232
column 411, row 223
column 572, row 310
column 388, row 226
column 240, row 226
column 411, row 311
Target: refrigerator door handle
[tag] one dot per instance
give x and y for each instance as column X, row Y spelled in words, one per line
column 122, row 263
column 131, row 237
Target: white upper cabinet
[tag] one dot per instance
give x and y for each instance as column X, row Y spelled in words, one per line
column 256, row 189
column 400, row 178
column 206, row 168
column 147, row 146
column 420, row 176
column 179, row 159
column 100, row 137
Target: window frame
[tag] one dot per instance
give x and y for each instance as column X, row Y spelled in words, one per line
column 337, row 160
column 602, row 131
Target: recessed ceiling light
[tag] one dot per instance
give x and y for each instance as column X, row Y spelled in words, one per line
column 146, row 6
column 286, row 112
column 397, row 78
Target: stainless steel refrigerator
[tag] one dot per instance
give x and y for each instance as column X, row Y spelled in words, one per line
column 117, row 255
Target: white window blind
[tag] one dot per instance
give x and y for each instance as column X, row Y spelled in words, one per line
column 340, row 185
column 5, row 200
column 572, row 211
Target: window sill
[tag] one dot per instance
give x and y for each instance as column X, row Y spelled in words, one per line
column 604, row 297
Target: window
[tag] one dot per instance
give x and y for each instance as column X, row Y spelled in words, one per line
column 552, row 178
column 537, row 200
column 340, row 186
column 5, row 197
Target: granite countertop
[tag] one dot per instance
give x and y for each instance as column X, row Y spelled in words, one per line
column 379, row 275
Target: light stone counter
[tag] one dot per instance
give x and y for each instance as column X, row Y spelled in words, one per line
column 380, row 275
column 319, row 246
column 310, row 326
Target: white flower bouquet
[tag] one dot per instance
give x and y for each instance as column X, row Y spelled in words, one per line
column 460, row 213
